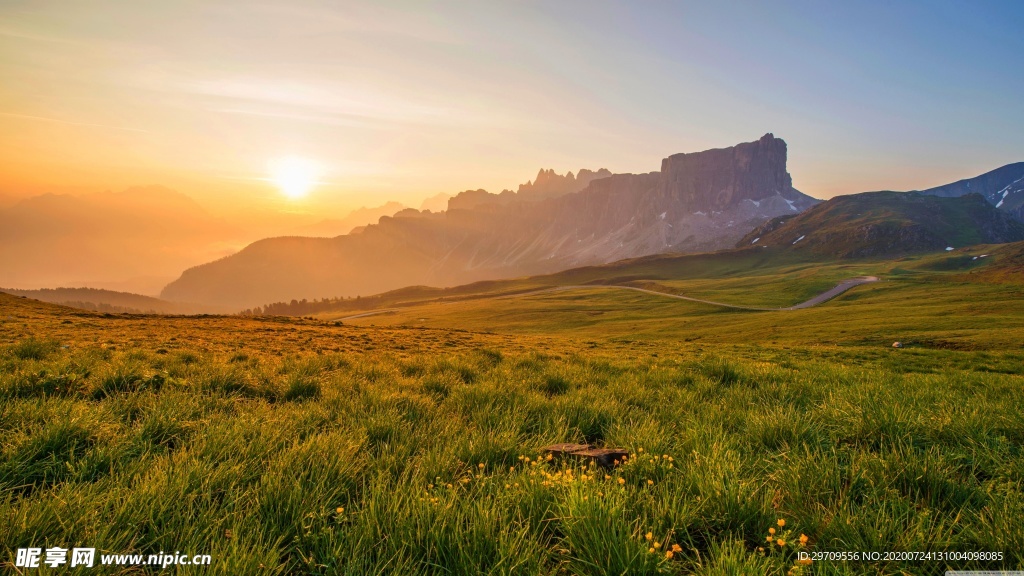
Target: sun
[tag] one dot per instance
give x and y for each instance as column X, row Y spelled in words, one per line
column 294, row 176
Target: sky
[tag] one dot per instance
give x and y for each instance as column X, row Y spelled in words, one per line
column 403, row 100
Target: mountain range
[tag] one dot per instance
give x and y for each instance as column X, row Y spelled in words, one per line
column 739, row 196
column 1002, row 188
column 697, row 201
column 357, row 218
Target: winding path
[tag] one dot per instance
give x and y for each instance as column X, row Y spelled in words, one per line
column 823, row 297
column 820, row 298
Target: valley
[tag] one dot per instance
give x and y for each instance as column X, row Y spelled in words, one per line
column 413, row 438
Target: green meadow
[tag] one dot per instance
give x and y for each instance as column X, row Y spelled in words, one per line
column 410, row 442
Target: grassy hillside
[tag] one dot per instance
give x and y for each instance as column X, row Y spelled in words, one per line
column 888, row 224
column 99, row 300
column 760, row 277
column 301, row 446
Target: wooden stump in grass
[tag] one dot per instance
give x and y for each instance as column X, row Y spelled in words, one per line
column 606, row 457
column 561, row 450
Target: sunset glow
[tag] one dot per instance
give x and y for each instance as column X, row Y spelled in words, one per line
column 579, row 286
column 276, row 118
column 294, row 176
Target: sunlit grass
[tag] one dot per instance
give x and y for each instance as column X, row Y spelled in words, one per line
column 294, row 446
column 394, row 461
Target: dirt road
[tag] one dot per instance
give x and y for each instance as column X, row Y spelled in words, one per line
column 823, row 297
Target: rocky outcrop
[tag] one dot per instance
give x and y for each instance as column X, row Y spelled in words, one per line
column 548, row 184
column 714, row 180
column 700, row 201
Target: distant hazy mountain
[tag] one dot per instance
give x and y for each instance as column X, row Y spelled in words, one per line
column 888, row 224
column 699, row 201
column 1002, row 187
column 436, row 203
column 135, row 238
column 110, row 301
column 359, row 217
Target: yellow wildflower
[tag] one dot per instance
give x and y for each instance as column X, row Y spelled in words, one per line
column 341, row 510
column 622, row 480
column 649, row 536
column 803, row 539
column 781, row 522
column 668, row 554
column 771, row 530
column 780, row 542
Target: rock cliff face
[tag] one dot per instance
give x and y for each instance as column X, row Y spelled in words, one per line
column 715, row 180
column 700, row 201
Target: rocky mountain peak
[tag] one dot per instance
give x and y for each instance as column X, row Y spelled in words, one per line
column 715, row 179
column 550, row 184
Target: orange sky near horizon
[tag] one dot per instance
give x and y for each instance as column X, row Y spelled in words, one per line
column 400, row 102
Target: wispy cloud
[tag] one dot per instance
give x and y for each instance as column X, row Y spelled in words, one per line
column 10, row 32
column 329, row 119
column 322, row 101
column 364, row 19
column 73, row 123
